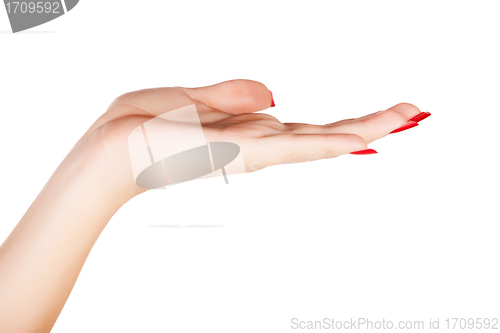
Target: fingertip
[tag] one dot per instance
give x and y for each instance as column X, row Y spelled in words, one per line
column 349, row 142
column 406, row 109
column 255, row 96
column 392, row 119
column 421, row 116
column 406, row 126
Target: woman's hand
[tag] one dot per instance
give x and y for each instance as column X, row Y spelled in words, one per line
column 42, row 257
column 227, row 113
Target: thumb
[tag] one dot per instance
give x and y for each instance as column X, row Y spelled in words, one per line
column 235, row 96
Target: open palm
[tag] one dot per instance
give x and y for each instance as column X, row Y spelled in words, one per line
column 227, row 113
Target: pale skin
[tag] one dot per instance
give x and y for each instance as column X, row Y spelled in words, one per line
column 42, row 257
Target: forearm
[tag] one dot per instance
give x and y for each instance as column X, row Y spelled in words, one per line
column 42, row 257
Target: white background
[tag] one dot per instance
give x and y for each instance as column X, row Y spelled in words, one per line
column 408, row 234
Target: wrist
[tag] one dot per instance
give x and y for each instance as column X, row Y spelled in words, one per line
column 96, row 173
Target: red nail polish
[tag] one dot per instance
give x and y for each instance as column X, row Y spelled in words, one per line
column 406, row 126
column 364, row 152
column 421, row 116
column 272, row 99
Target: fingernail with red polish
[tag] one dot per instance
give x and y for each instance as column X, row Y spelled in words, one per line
column 421, row 116
column 406, row 126
column 364, row 152
column 272, row 99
